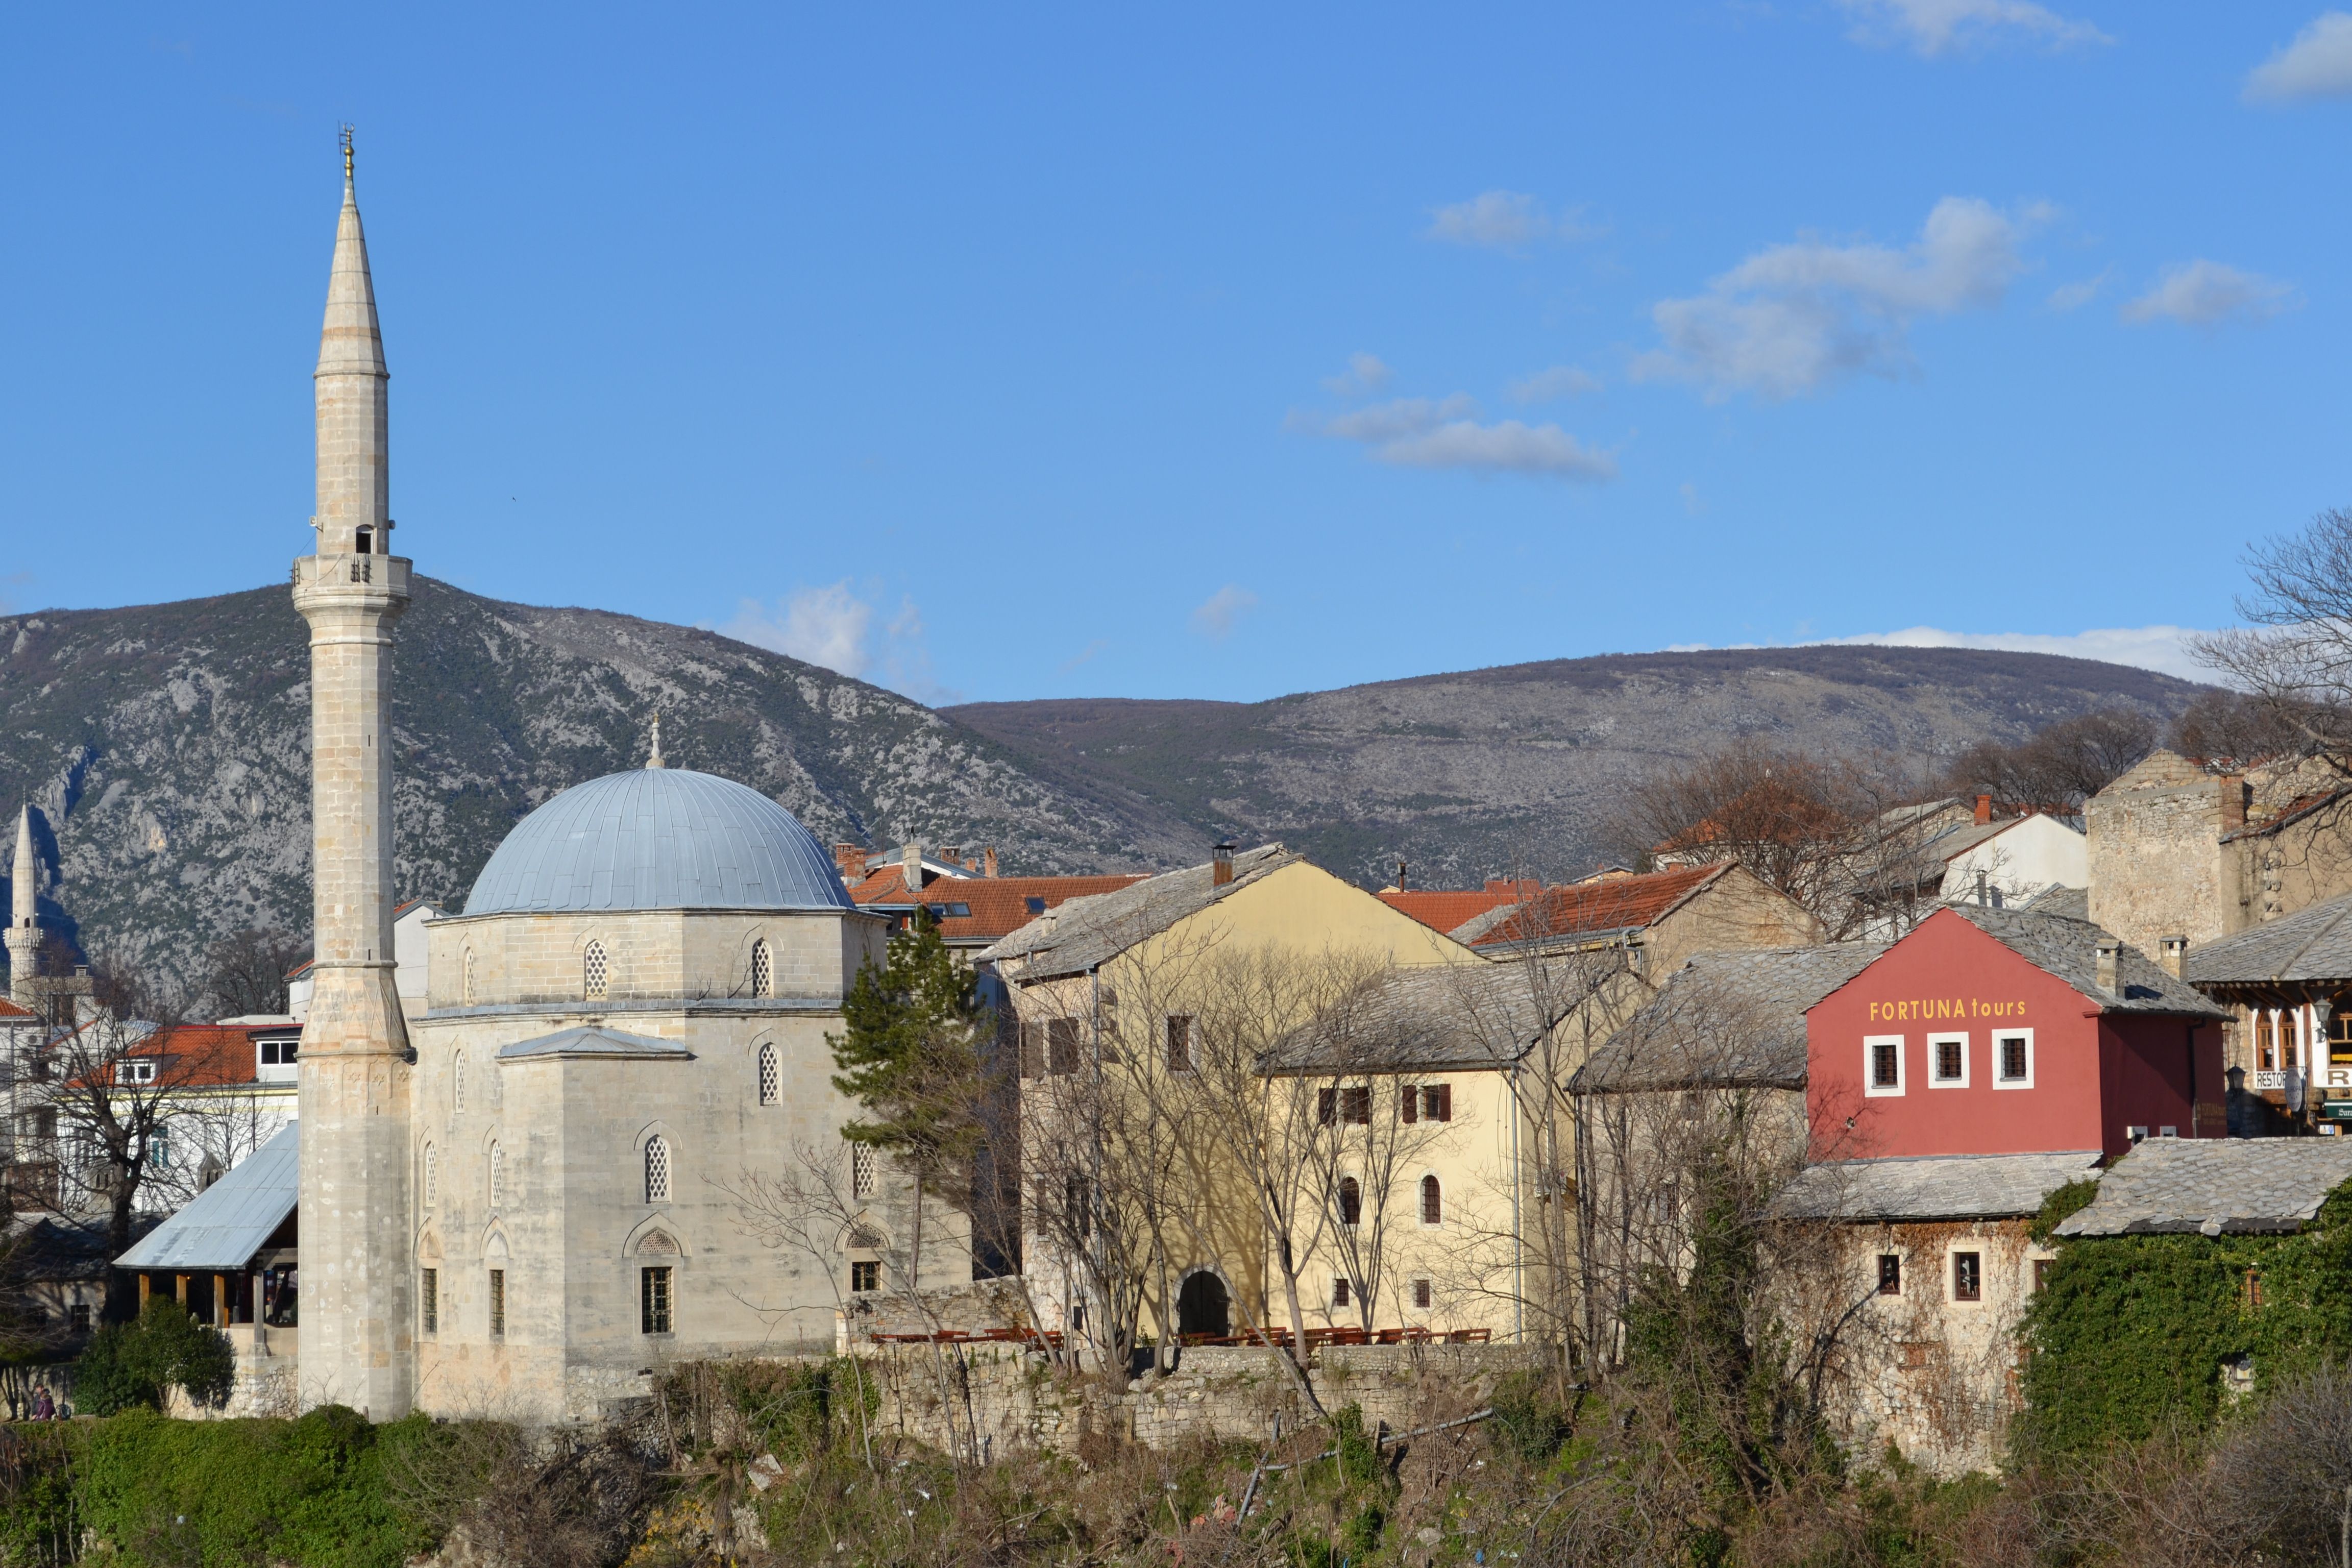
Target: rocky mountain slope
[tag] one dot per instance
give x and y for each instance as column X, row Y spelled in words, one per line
column 1467, row 776
column 166, row 745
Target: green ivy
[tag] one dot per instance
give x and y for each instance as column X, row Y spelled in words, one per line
column 2130, row 1333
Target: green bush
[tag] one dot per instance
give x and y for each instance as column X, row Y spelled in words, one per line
column 38, row 1463
column 306, row 1492
column 130, row 1365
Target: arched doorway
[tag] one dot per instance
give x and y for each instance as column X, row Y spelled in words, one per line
column 1202, row 1307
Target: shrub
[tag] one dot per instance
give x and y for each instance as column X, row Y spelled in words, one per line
column 130, row 1365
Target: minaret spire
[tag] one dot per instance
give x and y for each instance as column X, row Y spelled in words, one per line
column 358, row 1345
column 354, row 506
column 24, row 911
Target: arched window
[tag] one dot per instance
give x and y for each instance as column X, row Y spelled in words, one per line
column 1351, row 1200
column 658, row 1169
column 771, row 1078
column 432, row 1176
column 763, row 969
column 1432, row 1202
column 469, row 977
column 498, row 1176
column 861, row 1170
column 594, row 973
column 457, row 1082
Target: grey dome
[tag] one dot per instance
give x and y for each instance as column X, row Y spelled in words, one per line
column 659, row 838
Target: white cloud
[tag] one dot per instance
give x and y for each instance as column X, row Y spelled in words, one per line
column 1551, row 385
column 2163, row 648
column 1445, row 433
column 1365, row 373
column 834, row 627
column 1793, row 317
column 1933, row 28
column 2075, row 296
column 1508, row 220
column 1218, row 614
column 2318, row 64
column 2207, row 293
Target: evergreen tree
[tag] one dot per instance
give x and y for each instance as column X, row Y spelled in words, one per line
column 911, row 1056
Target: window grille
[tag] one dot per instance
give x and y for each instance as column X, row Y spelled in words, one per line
column 1885, row 1066
column 432, row 1176
column 763, row 970
column 1968, row 1277
column 654, row 1300
column 1352, row 1202
column 657, row 1171
column 469, row 977
column 1180, row 1043
column 457, row 1081
column 498, row 1176
column 865, row 1275
column 1432, row 1202
column 2015, row 1063
column 595, row 979
column 771, row 1082
column 1342, row 1290
column 1422, row 1295
column 428, row 1299
column 497, row 1303
column 1950, row 1060
column 861, row 1170
column 79, row 1317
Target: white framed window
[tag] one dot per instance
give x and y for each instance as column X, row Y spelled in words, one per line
column 1948, row 1061
column 139, row 1069
column 763, row 969
column 861, row 1170
column 772, row 1076
column 498, row 1176
column 595, row 973
column 1881, row 1065
column 657, row 1169
column 2013, row 1059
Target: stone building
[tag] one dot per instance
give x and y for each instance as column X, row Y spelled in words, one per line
column 525, row 1189
column 2288, row 983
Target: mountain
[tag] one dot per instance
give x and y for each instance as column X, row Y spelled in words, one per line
column 1469, row 775
column 166, row 745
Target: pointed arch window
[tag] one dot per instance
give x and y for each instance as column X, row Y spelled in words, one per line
column 457, row 1082
column 1432, row 1202
column 772, row 1076
column 595, row 973
column 861, row 1170
column 468, row 990
column 763, row 969
column 432, row 1176
column 658, row 1169
column 498, row 1176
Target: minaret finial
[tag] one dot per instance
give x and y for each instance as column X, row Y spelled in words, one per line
column 347, row 153
column 655, row 761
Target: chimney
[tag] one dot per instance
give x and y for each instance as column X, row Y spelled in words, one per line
column 1984, row 809
column 951, row 852
column 2173, row 952
column 1984, row 892
column 987, row 861
column 1400, row 876
column 2235, row 792
column 849, row 859
column 910, row 867
column 2111, row 953
column 1221, row 864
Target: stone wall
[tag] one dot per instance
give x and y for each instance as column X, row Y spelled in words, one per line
column 1011, row 1398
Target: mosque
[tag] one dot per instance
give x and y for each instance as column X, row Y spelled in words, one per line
column 525, row 1199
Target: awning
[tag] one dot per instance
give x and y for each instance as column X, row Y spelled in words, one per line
column 230, row 1220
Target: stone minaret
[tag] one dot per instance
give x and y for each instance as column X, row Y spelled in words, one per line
column 358, row 1342
column 24, row 919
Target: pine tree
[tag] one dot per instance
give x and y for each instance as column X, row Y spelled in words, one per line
column 911, row 1058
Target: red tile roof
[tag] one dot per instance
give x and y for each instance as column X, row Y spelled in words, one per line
column 1442, row 909
column 10, row 1010
column 998, row 906
column 1617, row 903
column 208, row 1056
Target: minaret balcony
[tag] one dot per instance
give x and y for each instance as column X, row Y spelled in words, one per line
column 350, row 576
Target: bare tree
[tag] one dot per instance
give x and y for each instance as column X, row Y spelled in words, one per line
column 2294, row 656
column 245, row 971
column 2062, row 765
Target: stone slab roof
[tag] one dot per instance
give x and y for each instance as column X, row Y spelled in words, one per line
column 1428, row 1018
column 1726, row 1020
column 2313, row 944
column 1940, row 1187
column 594, row 1041
column 2069, row 903
column 2213, row 1185
column 228, row 1222
column 2069, row 949
column 1088, row 931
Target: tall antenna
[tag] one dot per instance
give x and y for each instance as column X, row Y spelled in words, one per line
column 347, row 150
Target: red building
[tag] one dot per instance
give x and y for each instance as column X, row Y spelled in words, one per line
column 1990, row 1031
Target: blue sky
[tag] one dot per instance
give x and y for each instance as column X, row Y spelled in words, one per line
column 1216, row 351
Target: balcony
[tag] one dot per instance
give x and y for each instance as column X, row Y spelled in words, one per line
column 389, row 572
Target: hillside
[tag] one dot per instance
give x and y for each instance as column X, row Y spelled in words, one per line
column 1465, row 775
column 166, row 743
